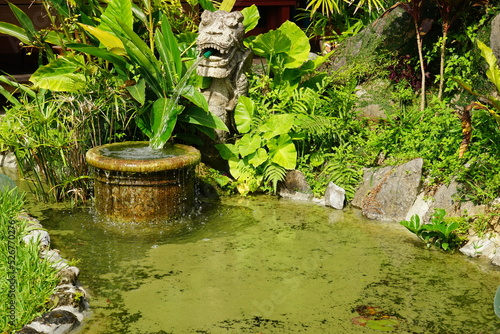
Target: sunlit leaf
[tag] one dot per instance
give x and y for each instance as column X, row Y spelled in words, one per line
column 283, row 152
column 62, row 74
column 227, row 151
column 117, row 10
column 251, row 17
column 243, row 114
column 258, row 157
column 249, row 144
column 277, row 125
column 108, row 39
column 201, row 117
column 227, row 5
column 138, row 91
column 15, row 31
column 493, row 72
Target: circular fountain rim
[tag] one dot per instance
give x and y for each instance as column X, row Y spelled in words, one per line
column 95, row 157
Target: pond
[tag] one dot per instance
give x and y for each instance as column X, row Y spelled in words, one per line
column 264, row 265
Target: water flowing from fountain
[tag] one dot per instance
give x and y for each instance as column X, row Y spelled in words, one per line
column 156, row 141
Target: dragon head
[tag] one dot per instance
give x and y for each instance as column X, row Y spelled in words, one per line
column 219, row 39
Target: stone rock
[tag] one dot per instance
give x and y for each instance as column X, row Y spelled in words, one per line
column 57, row 321
column 443, row 198
column 334, row 196
column 69, row 275
column 495, row 36
column 372, row 102
column 388, row 193
column 487, row 247
column 295, row 186
column 477, row 246
column 7, row 159
column 392, row 32
column 41, row 235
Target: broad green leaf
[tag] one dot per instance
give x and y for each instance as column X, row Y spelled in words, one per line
column 248, row 144
column 195, row 96
column 207, row 5
column 196, row 115
column 251, row 17
column 15, row 31
column 283, row 152
column 61, row 74
column 138, row 91
column 117, row 10
column 271, row 43
column 143, row 124
column 299, row 49
column 243, row 114
column 236, row 167
column 56, row 38
column 164, row 119
column 493, row 72
column 277, row 125
column 258, row 158
column 24, row 21
column 109, row 40
column 227, row 5
column 227, row 151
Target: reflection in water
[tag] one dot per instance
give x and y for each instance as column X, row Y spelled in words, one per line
column 251, row 265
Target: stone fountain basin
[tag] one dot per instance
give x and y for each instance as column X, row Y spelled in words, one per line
column 136, row 184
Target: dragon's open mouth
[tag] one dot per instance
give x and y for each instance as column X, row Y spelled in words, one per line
column 215, row 53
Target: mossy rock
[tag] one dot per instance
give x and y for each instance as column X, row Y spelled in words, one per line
column 392, row 32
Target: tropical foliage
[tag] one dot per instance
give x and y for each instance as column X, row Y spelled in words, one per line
column 438, row 232
column 26, row 281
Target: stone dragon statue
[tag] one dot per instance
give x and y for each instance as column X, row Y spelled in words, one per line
column 225, row 60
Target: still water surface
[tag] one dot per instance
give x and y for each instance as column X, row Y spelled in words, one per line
column 263, row 265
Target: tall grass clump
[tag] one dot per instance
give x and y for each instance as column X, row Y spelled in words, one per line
column 49, row 133
column 26, row 281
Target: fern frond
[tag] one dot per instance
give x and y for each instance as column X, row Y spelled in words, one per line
column 318, row 127
column 274, row 173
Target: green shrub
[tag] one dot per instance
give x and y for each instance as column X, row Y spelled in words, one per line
column 28, row 281
column 438, row 232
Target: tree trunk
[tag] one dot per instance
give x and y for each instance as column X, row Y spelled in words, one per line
column 422, row 67
column 441, row 65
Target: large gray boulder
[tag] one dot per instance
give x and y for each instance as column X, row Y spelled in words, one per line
column 495, row 36
column 388, row 193
column 394, row 31
column 295, row 186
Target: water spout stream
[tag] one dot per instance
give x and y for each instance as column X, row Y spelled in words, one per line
column 168, row 112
